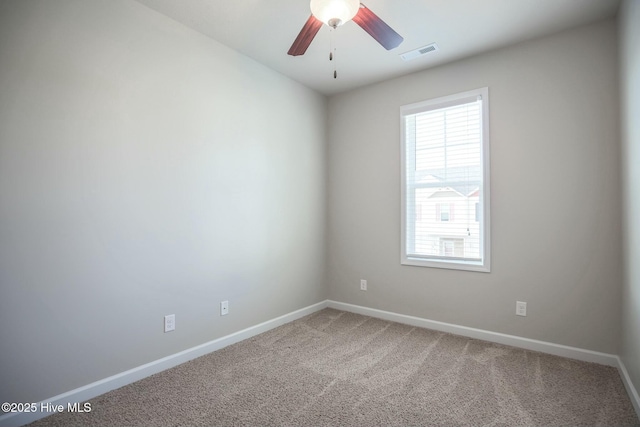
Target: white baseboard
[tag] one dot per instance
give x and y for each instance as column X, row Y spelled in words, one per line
column 97, row 388
column 512, row 340
column 631, row 390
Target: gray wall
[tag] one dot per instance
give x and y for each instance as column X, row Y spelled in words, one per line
column 630, row 93
column 556, row 198
column 144, row 170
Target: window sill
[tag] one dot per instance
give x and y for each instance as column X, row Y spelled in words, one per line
column 450, row 265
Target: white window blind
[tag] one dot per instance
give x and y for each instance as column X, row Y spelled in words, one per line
column 445, row 203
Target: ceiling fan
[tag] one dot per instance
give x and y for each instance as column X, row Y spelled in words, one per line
column 337, row 12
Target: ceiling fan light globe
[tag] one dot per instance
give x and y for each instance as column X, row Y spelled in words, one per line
column 334, row 10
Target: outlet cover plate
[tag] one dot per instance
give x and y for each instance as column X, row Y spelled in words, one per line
column 170, row 322
column 521, row 308
column 224, row 308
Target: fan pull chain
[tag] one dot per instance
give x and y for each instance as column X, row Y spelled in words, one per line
column 332, row 50
column 335, row 71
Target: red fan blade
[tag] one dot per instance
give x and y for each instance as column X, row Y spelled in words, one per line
column 377, row 28
column 304, row 39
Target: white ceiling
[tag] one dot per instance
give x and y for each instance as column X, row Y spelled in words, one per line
column 265, row 29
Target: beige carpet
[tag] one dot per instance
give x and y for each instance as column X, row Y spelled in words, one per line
column 340, row 369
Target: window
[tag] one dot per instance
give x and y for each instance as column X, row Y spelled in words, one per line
column 445, row 182
column 444, row 212
column 452, row 247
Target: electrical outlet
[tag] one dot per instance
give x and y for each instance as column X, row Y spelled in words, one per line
column 169, row 322
column 224, row 308
column 521, row 308
column 363, row 285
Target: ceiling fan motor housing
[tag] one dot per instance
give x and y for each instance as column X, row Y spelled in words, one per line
column 334, row 12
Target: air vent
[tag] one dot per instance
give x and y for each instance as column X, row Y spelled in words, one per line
column 413, row 54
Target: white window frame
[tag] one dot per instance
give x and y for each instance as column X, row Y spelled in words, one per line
column 484, row 264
